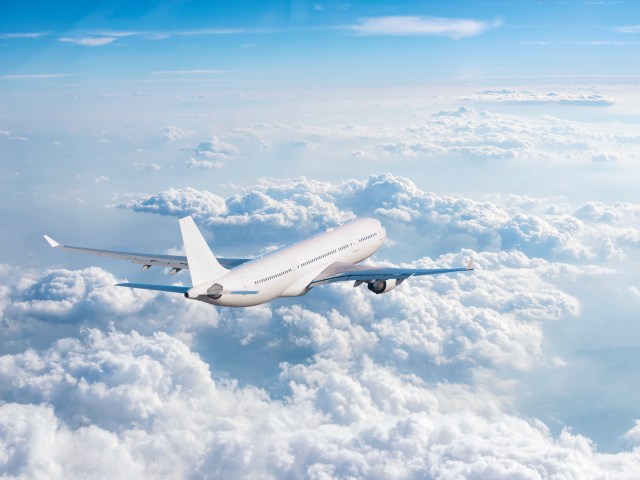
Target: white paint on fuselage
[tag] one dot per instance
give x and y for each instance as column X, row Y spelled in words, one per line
column 287, row 272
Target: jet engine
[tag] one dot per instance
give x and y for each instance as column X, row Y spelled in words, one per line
column 214, row 292
column 383, row 286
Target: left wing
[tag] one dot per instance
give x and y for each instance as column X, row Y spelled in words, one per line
column 344, row 272
column 147, row 260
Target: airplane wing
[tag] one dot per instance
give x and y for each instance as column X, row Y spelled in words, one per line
column 147, row 260
column 343, row 272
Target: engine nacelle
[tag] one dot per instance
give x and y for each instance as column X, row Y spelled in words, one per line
column 383, row 286
column 214, row 291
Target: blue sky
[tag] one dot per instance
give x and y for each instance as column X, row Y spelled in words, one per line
column 313, row 43
column 504, row 131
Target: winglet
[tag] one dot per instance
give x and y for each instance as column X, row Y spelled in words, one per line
column 470, row 264
column 51, row 241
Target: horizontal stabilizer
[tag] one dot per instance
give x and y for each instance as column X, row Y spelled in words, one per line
column 161, row 288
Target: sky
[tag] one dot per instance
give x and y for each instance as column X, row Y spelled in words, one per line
column 506, row 132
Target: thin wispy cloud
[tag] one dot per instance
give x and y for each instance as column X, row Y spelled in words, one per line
column 23, row 35
column 628, row 29
column 215, row 31
column 116, row 33
column 455, row 28
column 38, row 76
column 187, row 72
column 89, row 41
column 603, row 43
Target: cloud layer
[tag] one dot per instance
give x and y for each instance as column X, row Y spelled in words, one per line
column 416, row 383
column 294, row 209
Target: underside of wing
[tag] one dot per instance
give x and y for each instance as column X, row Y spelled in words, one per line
column 147, row 260
column 343, row 272
column 160, row 288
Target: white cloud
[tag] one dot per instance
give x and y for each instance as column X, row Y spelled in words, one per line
column 422, row 26
column 206, row 164
column 419, row 382
column 188, row 72
column 173, row 133
column 628, row 29
column 148, row 166
column 285, row 210
column 147, row 407
column 180, row 202
column 466, row 134
column 38, row 76
column 23, row 35
column 538, row 96
column 89, row 41
column 213, row 149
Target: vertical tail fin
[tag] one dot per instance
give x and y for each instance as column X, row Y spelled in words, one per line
column 203, row 265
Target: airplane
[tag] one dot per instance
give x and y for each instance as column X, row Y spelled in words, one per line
column 330, row 256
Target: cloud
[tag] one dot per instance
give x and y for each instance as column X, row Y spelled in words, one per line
column 148, row 166
column 628, row 29
column 422, row 26
column 207, row 164
column 418, row 382
column 187, row 72
column 464, row 133
column 213, row 149
column 180, row 202
column 35, row 76
column 288, row 210
column 534, row 96
column 148, row 405
column 23, row 35
column 173, row 133
column 468, row 133
column 89, row 41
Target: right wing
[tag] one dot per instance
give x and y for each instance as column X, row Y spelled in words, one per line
column 147, row 260
column 342, row 272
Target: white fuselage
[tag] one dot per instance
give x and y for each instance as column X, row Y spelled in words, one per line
column 287, row 272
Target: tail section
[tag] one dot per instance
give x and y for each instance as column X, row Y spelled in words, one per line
column 203, row 265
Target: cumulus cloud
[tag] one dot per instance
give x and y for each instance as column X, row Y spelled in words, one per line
column 193, row 163
column 213, row 149
column 422, row 26
column 466, row 133
column 180, row 202
column 148, row 405
column 286, row 210
column 173, row 133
